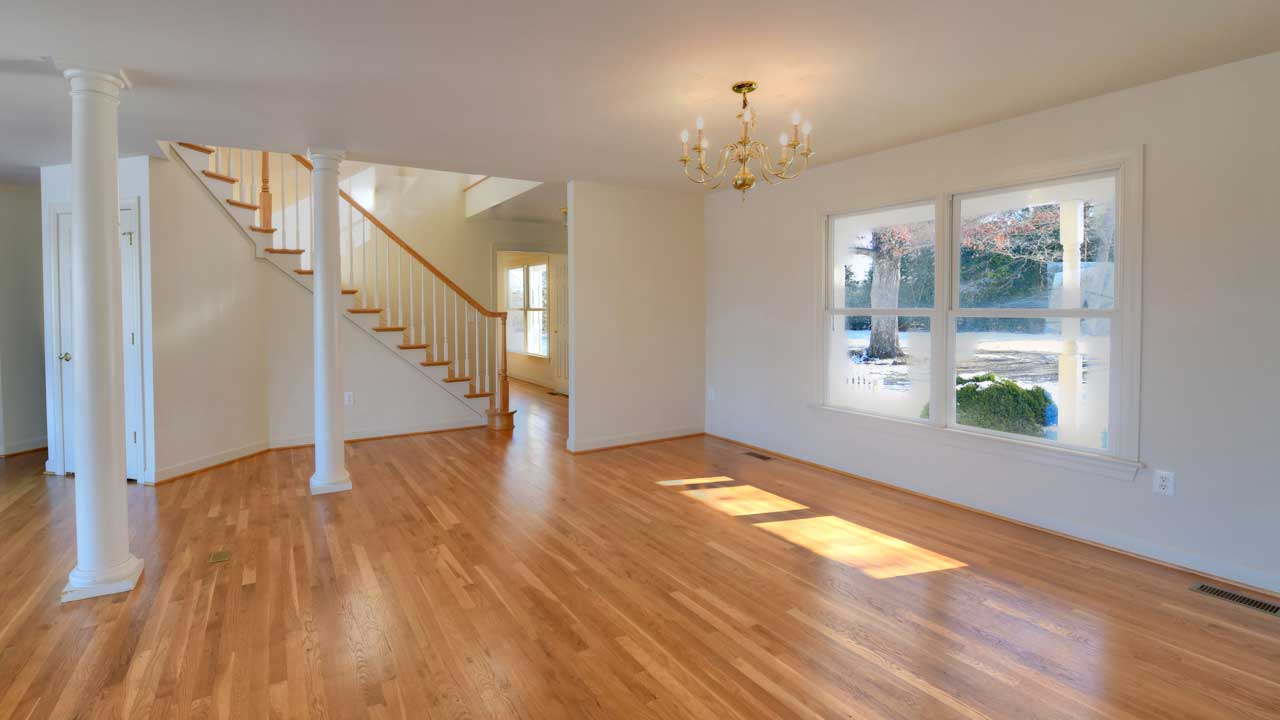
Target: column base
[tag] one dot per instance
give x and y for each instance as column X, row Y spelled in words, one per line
column 499, row 420
column 338, row 482
column 82, row 585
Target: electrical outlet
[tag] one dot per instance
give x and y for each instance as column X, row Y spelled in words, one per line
column 1162, row 482
column 348, row 398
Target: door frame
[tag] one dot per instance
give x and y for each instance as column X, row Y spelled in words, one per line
column 56, row 462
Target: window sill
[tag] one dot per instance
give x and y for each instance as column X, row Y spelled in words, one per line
column 1063, row 458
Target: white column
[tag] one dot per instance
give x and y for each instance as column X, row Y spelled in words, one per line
column 326, row 260
column 104, row 564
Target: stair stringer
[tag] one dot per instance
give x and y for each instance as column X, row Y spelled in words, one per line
column 286, row 264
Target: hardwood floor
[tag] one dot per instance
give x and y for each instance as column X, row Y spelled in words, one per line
column 472, row 575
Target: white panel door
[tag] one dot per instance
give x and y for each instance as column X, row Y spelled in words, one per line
column 131, row 297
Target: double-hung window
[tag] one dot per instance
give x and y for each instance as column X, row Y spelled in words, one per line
column 1008, row 312
column 525, row 301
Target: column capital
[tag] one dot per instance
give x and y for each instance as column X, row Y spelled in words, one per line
column 325, row 158
column 87, row 80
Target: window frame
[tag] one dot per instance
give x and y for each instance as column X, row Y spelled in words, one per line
column 523, row 265
column 1120, row 458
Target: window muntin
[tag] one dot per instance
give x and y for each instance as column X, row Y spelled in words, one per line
column 1026, row 343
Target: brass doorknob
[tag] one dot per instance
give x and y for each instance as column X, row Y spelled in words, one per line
column 65, row 357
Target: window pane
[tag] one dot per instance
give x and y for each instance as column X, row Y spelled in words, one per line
column 515, row 289
column 537, row 286
column 883, row 258
column 537, row 339
column 1051, row 246
column 515, row 331
column 1043, row 377
column 879, row 364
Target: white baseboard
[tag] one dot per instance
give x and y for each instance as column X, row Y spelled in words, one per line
column 375, row 432
column 20, row 446
column 608, row 441
column 191, row 466
column 208, row 461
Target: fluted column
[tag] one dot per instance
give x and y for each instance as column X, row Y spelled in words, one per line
column 104, row 564
column 326, row 258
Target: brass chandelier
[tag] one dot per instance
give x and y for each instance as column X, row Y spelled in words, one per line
column 793, row 160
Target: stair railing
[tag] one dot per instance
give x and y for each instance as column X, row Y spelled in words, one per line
column 388, row 277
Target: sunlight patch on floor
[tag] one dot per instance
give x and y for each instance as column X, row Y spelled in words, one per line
column 738, row 500
column 873, row 553
column 696, row 481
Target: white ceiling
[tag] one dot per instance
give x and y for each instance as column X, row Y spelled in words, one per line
column 582, row 88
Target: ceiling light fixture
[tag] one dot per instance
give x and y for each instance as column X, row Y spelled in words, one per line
column 797, row 149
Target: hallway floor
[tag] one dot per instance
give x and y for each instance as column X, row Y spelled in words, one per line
column 476, row 575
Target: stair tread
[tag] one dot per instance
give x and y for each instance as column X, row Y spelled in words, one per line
column 349, row 291
column 265, row 231
column 219, row 176
column 242, row 204
column 365, row 311
column 413, row 346
column 435, row 363
column 285, row 251
column 478, row 395
column 460, row 378
column 304, row 271
column 198, row 148
column 389, row 328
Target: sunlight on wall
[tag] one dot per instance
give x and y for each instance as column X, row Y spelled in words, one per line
column 873, row 553
column 740, row 500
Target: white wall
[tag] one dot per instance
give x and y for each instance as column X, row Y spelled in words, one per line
column 637, row 302
column 22, row 419
column 209, row 337
column 1209, row 387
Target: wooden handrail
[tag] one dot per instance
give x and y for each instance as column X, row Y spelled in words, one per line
column 412, row 253
column 486, row 177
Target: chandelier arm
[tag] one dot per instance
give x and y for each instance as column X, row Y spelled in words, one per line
column 784, row 173
column 804, row 165
column 761, row 152
column 705, row 175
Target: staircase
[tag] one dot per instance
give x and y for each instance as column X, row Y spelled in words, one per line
column 389, row 290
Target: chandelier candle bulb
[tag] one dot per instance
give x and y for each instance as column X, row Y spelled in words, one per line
column 793, row 156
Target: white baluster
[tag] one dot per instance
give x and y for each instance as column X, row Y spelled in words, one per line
column 413, row 327
column 435, row 323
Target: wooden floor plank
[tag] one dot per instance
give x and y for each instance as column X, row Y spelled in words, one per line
column 481, row 575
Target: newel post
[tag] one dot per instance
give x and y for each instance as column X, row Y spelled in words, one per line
column 500, row 418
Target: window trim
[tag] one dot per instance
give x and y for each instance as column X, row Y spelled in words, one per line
column 1121, row 458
